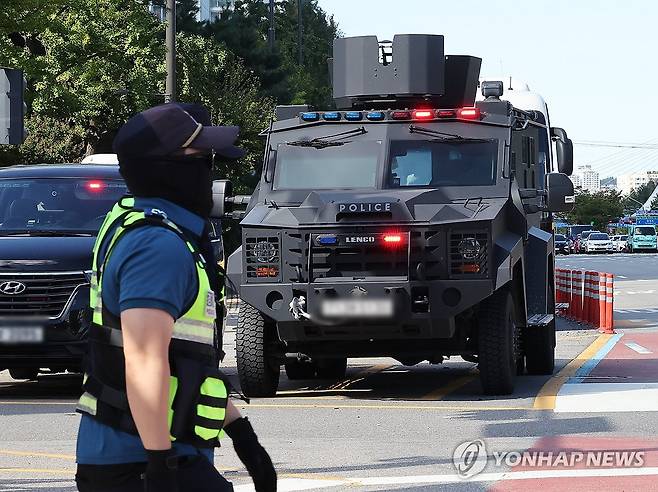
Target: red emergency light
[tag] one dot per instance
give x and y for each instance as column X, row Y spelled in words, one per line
column 95, row 186
column 423, row 114
column 400, row 115
column 393, row 238
column 446, row 113
column 469, row 113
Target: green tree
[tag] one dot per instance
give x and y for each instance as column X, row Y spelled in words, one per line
column 102, row 63
column 210, row 74
column 311, row 81
column 597, row 209
column 243, row 30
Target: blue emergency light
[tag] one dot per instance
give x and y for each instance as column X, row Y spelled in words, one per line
column 327, row 240
column 331, row 116
column 310, row 116
column 353, row 116
column 376, row 115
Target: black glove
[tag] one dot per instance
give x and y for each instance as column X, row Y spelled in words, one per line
column 161, row 471
column 252, row 454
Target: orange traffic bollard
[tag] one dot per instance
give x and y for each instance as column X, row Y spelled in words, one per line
column 609, row 326
column 601, row 304
column 577, row 294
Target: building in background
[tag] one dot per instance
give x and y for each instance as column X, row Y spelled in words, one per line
column 589, row 179
column 609, row 183
column 628, row 182
column 209, row 10
column 575, row 179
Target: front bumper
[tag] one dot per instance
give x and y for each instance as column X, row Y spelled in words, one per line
column 64, row 337
column 648, row 247
column 422, row 310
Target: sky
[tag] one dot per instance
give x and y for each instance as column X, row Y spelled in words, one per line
column 595, row 62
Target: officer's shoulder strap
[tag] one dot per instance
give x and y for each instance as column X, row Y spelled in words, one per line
column 136, row 218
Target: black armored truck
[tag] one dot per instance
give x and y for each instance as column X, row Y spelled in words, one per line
column 412, row 222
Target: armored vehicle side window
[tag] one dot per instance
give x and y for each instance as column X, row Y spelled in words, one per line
column 353, row 165
column 442, row 163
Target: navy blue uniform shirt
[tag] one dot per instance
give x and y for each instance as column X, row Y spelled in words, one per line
column 150, row 267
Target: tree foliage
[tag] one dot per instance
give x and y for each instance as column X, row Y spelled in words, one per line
column 244, row 30
column 104, row 62
column 213, row 76
column 598, row 208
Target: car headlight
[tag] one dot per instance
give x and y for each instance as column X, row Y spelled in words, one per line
column 469, row 248
column 264, row 251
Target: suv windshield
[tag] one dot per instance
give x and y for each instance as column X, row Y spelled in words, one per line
column 353, row 165
column 76, row 205
column 645, row 231
column 560, row 237
column 438, row 163
column 599, row 237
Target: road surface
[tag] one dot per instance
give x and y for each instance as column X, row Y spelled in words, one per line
column 391, row 427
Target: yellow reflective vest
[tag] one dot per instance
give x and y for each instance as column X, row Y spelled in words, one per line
column 198, row 390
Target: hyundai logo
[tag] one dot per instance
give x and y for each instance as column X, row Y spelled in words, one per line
column 12, row 288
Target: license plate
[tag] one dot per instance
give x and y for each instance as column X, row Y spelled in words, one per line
column 23, row 334
column 357, row 308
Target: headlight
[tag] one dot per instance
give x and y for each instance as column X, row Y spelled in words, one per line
column 469, row 248
column 264, row 251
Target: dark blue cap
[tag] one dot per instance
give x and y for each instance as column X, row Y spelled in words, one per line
column 170, row 128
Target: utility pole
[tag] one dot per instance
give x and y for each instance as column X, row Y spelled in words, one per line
column 300, row 31
column 170, row 40
column 270, row 33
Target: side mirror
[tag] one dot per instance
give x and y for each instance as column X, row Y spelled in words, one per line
column 221, row 190
column 560, row 195
column 564, row 147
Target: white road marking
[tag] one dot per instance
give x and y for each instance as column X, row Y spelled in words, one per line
column 292, row 484
column 634, row 292
column 607, row 397
column 638, row 348
column 621, row 276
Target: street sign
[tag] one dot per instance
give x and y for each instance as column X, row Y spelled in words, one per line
column 646, row 220
column 12, row 106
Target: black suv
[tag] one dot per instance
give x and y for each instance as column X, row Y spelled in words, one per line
column 49, row 218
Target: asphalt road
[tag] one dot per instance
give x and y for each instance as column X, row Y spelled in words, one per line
column 391, row 427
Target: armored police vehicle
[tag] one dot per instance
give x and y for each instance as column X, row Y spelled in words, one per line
column 410, row 222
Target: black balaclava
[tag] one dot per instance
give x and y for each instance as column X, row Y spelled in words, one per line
column 183, row 180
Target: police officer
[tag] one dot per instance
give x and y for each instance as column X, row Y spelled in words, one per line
column 155, row 405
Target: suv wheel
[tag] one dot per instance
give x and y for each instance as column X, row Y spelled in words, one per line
column 255, row 350
column 498, row 347
column 332, row 368
column 539, row 345
column 24, row 372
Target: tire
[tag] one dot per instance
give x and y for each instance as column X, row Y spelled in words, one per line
column 498, row 344
column 539, row 345
column 24, row 372
column 255, row 345
column 300, row 369
column 332, row 368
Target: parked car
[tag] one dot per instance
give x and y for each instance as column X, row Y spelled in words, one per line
column 49, row 218
column 598, row 242
column 620, row 243
column 562, row 244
